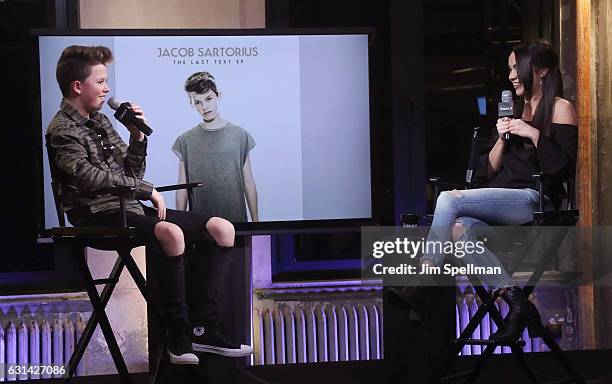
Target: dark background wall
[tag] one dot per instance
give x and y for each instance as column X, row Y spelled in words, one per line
column 431, row 61
column 24, row 264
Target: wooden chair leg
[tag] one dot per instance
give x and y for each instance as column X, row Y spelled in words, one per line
column 143, row 286
column 98, row 308
column 154, row 372
column 520, row 357
column 481, row 363
column 140, row 281
column 560, row 356
column 92, row 323
column 470, row 327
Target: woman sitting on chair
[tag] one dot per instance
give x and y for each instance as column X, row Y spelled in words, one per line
column 543, row 138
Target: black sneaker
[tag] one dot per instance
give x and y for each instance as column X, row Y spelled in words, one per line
column 179, row 345
column 212, row 339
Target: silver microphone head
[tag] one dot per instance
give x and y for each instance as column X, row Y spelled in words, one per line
column 114, row 103
column 506, row 96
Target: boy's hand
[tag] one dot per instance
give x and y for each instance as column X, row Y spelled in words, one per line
column 131, row 127
column 158, row 202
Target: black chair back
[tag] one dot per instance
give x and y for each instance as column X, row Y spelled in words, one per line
column 56, row 186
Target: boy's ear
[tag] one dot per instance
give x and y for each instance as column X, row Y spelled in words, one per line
column 219, row 94
column 75, row 87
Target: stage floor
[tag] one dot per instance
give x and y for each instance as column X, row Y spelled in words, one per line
column 596, row 366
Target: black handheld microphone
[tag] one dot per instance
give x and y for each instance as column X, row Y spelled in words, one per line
column 505, row 108
column 126, row 115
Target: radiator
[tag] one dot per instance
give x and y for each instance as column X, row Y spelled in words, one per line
column 301, row 332
column 467, row 305
column 26, row 341
column 304, row 333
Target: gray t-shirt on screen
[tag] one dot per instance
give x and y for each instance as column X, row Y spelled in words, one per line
column 216, row 159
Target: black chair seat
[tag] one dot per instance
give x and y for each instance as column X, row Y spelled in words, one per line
column 558, row 218
column 102, row 238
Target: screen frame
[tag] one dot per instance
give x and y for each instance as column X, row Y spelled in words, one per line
column 246, row 228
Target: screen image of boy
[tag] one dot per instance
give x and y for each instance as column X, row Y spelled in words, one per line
column 216, row 153
column 308, row 117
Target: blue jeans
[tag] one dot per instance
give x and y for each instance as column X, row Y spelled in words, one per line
column 478, row 208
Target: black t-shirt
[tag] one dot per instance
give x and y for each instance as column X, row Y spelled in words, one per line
column 555, row 157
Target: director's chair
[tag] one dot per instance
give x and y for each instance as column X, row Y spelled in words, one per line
column 562, row 219
column 114, row 238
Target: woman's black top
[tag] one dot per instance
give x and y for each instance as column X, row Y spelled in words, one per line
column 555, row 157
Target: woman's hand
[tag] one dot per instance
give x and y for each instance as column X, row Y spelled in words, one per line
column 520, row 128
column 158, row 202
column 503, row 126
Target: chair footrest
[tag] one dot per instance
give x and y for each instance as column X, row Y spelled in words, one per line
column 518, row 343
column 105, row 281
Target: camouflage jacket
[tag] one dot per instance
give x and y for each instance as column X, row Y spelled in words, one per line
column 87, row 155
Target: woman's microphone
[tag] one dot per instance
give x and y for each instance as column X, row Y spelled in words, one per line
column 505, row 108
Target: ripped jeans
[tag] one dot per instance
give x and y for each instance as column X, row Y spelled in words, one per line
column 479, row 208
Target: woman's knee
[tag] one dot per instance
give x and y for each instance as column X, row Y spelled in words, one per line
column 170, row 237
column 447, row 199
column 458, row 230
column 222, row 231
column 466, row 227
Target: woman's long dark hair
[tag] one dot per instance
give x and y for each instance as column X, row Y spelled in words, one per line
column 539, row 54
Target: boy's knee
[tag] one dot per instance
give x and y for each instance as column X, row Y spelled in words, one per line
column 170, row 236
column 222, row 231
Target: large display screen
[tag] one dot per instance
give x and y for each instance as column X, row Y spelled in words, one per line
column 298, row 104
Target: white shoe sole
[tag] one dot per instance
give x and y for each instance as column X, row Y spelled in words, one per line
column 245, row 350
column 184, row 359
